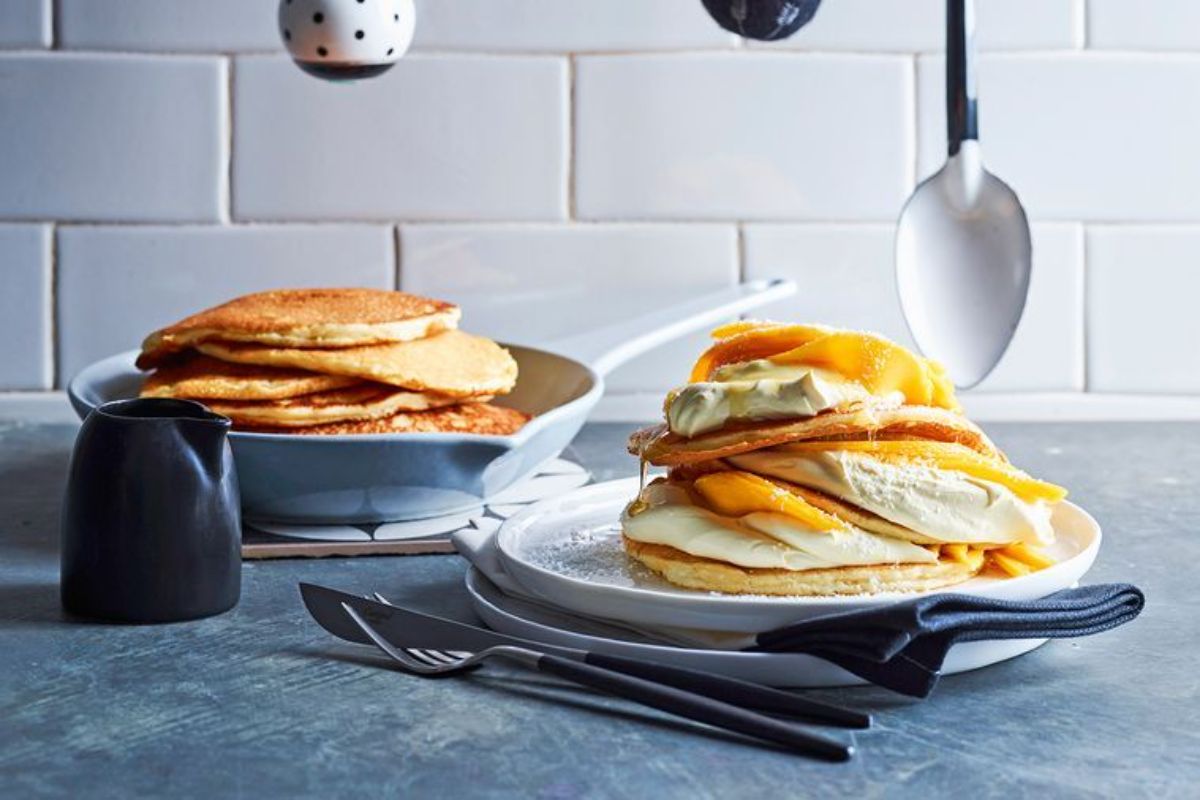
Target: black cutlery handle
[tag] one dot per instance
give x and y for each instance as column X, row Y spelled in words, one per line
column 961, row 102
column 732, row 690
column 696, row 707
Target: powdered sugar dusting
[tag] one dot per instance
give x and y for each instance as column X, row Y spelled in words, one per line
column 591, row 553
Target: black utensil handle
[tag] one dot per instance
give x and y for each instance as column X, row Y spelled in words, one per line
column 696, row 707
column 732, row 690
column 961, row 100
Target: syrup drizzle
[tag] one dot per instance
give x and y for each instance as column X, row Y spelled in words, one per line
column 639, row 505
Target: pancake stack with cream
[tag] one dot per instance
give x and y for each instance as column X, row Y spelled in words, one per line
column 335, row 361
column 805, row 460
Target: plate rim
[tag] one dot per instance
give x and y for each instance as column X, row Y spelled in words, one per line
column 789, row 670
column 711, row 600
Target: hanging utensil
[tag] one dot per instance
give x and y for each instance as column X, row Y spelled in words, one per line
column 963, row 252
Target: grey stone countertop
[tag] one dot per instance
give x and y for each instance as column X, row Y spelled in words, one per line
column 262, row 703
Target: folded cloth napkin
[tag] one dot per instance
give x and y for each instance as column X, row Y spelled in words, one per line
column 902, row 646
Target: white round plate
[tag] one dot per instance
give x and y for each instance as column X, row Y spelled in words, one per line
column 567, row 551
column 538, row 623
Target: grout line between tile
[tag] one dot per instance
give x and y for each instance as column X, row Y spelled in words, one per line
column 1079, row 15
column 572, row 126
column 54, row 9
column 914, row 127
column 226, row 189
column 1085, row 338
column 397, row 265
column 741, row 252
column 54, row 350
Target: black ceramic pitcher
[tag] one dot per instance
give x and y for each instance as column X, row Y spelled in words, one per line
column 151, row 523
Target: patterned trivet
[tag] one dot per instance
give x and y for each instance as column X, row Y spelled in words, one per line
column 261, row 540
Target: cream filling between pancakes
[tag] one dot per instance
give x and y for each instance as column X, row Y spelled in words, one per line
column 945, row 505
column 762, row 540
column 757, row 390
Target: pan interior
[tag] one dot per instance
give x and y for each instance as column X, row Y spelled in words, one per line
column 545, row 381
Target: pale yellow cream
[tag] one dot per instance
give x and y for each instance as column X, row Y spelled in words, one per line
column 757, row 390
column 760, row 540
column 949, row 506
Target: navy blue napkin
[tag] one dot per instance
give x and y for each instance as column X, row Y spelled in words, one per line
column 902, row 646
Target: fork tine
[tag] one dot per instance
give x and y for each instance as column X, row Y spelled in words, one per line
column 421, row 656
column 442, row 657
column 381, row 599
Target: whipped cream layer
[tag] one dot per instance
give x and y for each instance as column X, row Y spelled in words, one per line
column 945, row 505
column 666, row 515
column 757, row 390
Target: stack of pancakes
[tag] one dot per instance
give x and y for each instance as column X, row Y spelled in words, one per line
column 805, row 460
column 334, row 361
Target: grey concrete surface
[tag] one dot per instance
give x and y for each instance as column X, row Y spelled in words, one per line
column 262, row 703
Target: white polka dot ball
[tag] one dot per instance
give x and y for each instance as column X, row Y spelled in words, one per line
column 341, row 39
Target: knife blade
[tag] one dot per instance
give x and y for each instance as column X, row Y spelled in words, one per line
column 407, row 628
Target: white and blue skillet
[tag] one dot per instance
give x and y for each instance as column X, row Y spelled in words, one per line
column 404, row 476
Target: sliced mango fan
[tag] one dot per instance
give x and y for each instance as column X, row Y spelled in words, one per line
column 878, row 364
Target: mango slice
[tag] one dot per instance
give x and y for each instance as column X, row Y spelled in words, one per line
column 881, row 366
column 747, row 341
column 949, row 456
column 956, row 552
column 1009, row 565
column 742, row 326
column 1029, row 556
column 734, row 494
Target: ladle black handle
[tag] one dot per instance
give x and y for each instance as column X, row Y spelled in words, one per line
column 961, row 100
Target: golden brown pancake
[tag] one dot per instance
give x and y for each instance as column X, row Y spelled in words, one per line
column 451, row 362
column 479, row 418
column 203, row 378
column 662, row 448
column 705, row 574
column 307, row 318
column 360, row 402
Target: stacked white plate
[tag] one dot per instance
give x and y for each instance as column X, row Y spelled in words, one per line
column 556, row 573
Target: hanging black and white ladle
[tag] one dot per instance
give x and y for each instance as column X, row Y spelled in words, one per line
column 346, row 39
column 963, row 253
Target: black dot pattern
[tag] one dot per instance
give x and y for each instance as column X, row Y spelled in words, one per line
column 318, row 18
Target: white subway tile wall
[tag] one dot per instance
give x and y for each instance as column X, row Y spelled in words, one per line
column 1143, row 285
column 554, row 165
column 26, row 23
column 112, row 138
column 557, row 26
column 1144, row 25
column 742, row 136
column 918, row 25
column 1091, row 136
column 25, row 314
column 438, row 137
column 205, row 26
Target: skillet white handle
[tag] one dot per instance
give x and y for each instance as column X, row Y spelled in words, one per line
column 607, row 348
